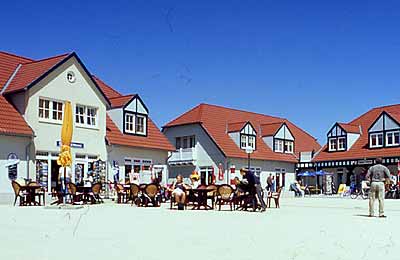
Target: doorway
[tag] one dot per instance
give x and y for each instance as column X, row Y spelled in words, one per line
column 54, row 175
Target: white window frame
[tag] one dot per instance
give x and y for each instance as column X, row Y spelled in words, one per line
column 279, row 145
column 374, row 136
column 81, row 116
column 251, row 141
column 90, row 117
column 52, row 109
column 144, row 124
column 290, row 145
column 130, row 122
column 341, row 146
column 392, row 134
column 44, row 109
column 243, row 141
column 333, row 144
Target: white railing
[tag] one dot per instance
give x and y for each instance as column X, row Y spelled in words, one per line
column 183, row 154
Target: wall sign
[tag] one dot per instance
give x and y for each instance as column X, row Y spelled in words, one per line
column 363, row 162
column 73, row 145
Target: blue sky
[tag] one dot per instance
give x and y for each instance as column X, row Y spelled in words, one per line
column 313, row 62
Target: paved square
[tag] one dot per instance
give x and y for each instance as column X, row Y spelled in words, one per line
column 307, row 228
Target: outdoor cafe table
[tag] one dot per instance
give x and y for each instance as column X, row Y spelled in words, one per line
column 201, row 198
column 86, row 191
column 31, row 194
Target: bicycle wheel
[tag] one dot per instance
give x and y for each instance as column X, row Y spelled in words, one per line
column 354, row 195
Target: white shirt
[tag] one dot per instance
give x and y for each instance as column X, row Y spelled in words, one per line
column 61, row 172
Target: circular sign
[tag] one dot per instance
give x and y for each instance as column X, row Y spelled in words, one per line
column 12, row 156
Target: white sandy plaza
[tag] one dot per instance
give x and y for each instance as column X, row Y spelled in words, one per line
column 305, row 228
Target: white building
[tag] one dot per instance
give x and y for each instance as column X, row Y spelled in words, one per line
column 34, row 93
column 212, row 140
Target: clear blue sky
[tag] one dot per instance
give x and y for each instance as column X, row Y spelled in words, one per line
column 313, row 62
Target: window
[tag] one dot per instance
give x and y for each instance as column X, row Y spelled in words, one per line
column 57, row 110
column 80, row 114
column 247, row 141
column 341, row 143
column 278, row 146
column 288, row 147
column 44, row 108
column 332, row 144
column 91, row 116
column 185, row 142
column 393, row 138
column 50, row 110
column 140, row 124
column 376, row 140
column 129, row 123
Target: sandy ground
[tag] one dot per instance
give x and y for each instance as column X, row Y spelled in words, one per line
column 307, row 228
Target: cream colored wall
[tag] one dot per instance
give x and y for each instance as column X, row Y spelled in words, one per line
column 83, row 92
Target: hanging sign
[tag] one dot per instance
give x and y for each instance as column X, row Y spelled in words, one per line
column 220, row 172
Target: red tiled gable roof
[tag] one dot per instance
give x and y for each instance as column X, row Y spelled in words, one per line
column 395, row 115
column 107, row 90
column 270, row 129
column 8, row 63
column 31, row 71
column 349, row 128
column 236, row 127
column 120, row 101
column 214, row 120
column 360, row 148
column 154, row 139
column 11, row 122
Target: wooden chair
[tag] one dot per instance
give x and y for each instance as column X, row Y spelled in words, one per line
column 19, row 193
column 134, row 196
column 212, row 194
column 225, row 196
column 150, row 195
column 121, row 193
column 275, row 196
column 95, row 194
column 40, row 193
column 75, row 196
column 187, row 200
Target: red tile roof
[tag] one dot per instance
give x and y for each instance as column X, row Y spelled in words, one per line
column 107, row 90
column 270, row 129
column 8, row 63
column 349, row 128
column 154, row 139
column 236, row 127
column 31, row 71
column 120, row 101
column 11, row 122
column 360, row 149
column 214, row 119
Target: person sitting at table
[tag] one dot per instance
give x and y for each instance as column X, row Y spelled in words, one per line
column 194, row 179
column 253, row 186
column 134, row 178
column 179, row 191
column 88, row 180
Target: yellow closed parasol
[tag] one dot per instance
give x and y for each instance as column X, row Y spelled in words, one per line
column 65, row 158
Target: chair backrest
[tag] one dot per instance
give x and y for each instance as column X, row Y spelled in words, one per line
column 96, row 188
column 33, row 183
column 213, row 190
column 279, row 191
column 135, row 190
column 202, row 187
column 72, row 188
column 16, row 187
column 225, row 191
column 151, row 190
column 119, row 187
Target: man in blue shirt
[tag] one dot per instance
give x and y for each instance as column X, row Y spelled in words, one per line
column 253, row 183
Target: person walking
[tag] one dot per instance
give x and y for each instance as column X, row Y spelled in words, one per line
column 377, row 175
column 273, row 184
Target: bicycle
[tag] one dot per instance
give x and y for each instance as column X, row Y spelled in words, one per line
column 363, row 193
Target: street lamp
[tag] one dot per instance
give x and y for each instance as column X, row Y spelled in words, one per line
column 249, row 150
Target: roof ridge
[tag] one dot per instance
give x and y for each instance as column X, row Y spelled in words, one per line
column 386, row 106
column 113, row 89
column 123, row 96
column 48, row 58
column 15, row 55
column 240, row 110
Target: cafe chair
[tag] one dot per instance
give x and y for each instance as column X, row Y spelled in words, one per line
column 150, row 195
column 19, row 193
column 39, row 193
column 75, row 196
column 121, row 193
column 225, row 196
column 134, row 196
column 95, row 194
column 212, row 194
column 276, row 196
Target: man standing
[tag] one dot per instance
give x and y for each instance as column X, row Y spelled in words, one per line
column 254, row 182
column 377, row 175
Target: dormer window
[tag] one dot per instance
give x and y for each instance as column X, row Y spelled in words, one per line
column 247, row 140
column 342, row 136
column 332, row 144
column 385, row 131
column 135, row 123
column 341, row 143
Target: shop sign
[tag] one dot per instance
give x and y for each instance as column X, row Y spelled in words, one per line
column 73, row 145
column 364, row 162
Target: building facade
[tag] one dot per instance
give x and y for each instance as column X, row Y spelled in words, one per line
column 35, row 91
column 212, row 140
column 351, row 148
